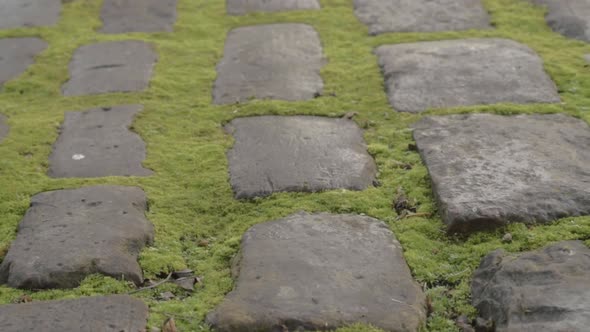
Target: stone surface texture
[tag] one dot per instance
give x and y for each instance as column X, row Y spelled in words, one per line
column 123, row 16
column 570, row 18
column 3, row 127
column 453, row 73
column 241, row 7
column 17, row 54
column 115, row 313
column 97, row 143
column 28, row 13
column 319, row 272
column 275, row 61
column 118, row 66
column 297, row 153
column 491, row 170
column 69, row 234
column 383, row 16
column 539, row 291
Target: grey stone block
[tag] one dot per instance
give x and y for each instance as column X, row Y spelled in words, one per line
column 17, row 54
column 275, row 61
column 297, row 153
column 490, row 170
column 320, row 272
column 119, row 66
column 453, row 73
column 28, row 13
column 421, row 15
column 570, row 18
column 241, row 7
column 97, row 143
column 123, row 16
column 69, row 234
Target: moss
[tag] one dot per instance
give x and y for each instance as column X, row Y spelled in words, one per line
column 190, row 197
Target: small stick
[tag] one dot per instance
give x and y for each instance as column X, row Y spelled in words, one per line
column 152, row 286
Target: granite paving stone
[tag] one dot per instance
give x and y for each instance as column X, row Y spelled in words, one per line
column 28, row 13
column 545, row 290
column 69, row 234
column 490, row 170
column 97, row 143
column 241, row 7
column 383, row 16
column 570, row 18
column 114, row 313
column 123, row 16
column 274, row 61
column 297, row 153
column 17, row 54
column 320, row 272
column 117, row 66
column 454, row 73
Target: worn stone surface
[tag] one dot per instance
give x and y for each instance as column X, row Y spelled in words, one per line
column 119, row 66
column 97, row 143
column 113, row 313
column 297, row 153
column 241, row 7
column 28, row 13
column 69, row 234
column 275, row 61
column 421, row 15
column 293, row 272
column 3, row 127
column 122, row 16
column 539, row 291
column 490, row 170
column 570, row 18
column 452, row 73
column 17, row 54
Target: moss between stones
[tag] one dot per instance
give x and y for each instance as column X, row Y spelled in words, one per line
column 190, row 196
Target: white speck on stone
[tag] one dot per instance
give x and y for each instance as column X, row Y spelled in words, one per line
column 78, row 156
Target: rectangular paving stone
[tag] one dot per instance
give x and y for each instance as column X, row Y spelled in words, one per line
column 241, row 7
column 489, row 170
column 570, row 18
column 17, row 54
column 97, row 143
column 114, row 313
column 28, row 13
column 69, row 234
column 123, row 16
column 454, row 73
column 320, row 272
column 297, row 153
column 118, row 66
column 275, row 61
column 544, row 290
column 3, row 127
column 383, row 16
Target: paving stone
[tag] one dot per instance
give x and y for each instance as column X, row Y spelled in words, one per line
column 453, row 73
column 570, row 18
column 28, row 13
column 97, row 143
column 3, row 127
column 69, row 234
column 383, row 16
column 292, row 275
column 297, row 153
column 114, row 313
column 241, row 7
column 490, row 170
column 119, row 66
column 275, row 61
column 17, row 54
column 545, row 290
column 122, row 16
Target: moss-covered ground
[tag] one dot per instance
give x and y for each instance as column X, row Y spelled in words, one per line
column 198, row 222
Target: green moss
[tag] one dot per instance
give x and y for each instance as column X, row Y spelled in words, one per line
column 190, row 196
